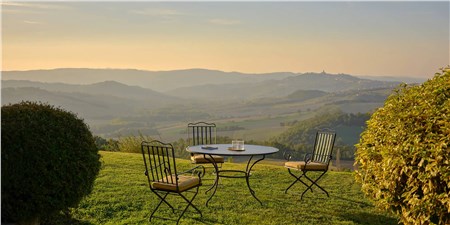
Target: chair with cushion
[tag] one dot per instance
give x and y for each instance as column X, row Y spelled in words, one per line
column 163, row 178
column 202, row 133
column 316, row 161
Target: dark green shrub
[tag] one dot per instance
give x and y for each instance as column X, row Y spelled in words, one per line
column 106, row 145
column 404, row 154
column 100, row 142
column 49, row 161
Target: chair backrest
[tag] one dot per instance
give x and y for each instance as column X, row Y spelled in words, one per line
column 323, row 146
column 201, row 133
column 159, row 161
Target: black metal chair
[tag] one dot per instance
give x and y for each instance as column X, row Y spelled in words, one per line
column 163, row 179
column 317, row 161
column 202, row 133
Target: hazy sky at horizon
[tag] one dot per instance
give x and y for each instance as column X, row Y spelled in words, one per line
column 359, row 38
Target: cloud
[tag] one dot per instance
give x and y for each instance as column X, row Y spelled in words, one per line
column 32, row 22
column 28, row 8
column 224, row 21
column 158, row 12
column 32, row 5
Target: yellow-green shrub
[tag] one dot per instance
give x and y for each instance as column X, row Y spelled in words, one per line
column 132, row 143
column 404, row 155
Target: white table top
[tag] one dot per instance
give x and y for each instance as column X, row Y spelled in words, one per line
column 223, row 150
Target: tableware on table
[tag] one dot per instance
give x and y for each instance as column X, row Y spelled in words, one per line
column 209, row 147
column 237, row 145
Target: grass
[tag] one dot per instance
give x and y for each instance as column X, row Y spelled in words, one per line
column 121, row 196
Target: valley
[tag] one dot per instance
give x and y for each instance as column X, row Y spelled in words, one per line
column 260, row 109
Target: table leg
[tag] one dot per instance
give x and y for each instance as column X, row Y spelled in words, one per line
column 247, row 175
column 216, row 180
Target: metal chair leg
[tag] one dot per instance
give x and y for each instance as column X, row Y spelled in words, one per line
column 297, row 179
column 308, row 187
column 314, row 182
column 189, row 204
column 163, row 199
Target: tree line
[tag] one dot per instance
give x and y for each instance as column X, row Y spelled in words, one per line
column 299, row 139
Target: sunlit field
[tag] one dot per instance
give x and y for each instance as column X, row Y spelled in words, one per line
column 121, row 196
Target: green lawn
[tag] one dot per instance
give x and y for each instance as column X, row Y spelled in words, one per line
column 121, row 196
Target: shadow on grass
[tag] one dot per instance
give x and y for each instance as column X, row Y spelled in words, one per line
column 369, row 218
column 63, row 218
column 365, row 218
column 204, row 220
column 353, row 201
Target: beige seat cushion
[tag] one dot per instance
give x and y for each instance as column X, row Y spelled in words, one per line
column 299, row 165
column 184, row 183
column 199, row 158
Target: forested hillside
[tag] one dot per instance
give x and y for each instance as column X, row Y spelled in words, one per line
column 348, row 127
column 261, row 110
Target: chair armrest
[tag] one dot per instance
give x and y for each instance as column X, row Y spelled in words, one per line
column 308, row 157
column 195, row 171
column 287, row 155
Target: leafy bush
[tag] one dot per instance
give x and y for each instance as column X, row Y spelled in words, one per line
column 106, row 145
column 404, row 155
column 132, row 143
column 49, row 161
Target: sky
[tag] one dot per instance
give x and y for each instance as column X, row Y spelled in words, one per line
column 358, row 38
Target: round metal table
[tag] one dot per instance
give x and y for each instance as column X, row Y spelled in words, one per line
column 225, row 150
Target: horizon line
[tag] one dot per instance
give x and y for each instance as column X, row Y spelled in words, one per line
column 208, row 69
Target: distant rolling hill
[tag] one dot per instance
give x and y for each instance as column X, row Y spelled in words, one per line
column 303, row 95
column 103, row 100
column 112, row 107
column 191, row 84
column 332, row 83
column 120, row 98
column 155, row 80
column 408, row 80
column 85, row 105
column 111, row 88
column 352, row 101
column 279, row 88
column 225, row 82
